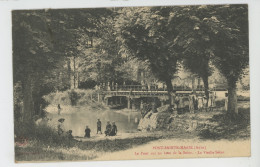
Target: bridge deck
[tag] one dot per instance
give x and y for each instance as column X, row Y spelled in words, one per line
column 144, row 93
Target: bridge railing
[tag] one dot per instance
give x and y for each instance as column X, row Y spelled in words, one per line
column 145, row 88
column 133, row 88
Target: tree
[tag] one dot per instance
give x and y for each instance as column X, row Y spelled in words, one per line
column 146, row 34
column 42, row 42
column 32, row 57
column 218, row 35
column 231, row 46
column 194, row 40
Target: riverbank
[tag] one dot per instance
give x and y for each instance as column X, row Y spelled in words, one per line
column 99, row 147
column 48, row 146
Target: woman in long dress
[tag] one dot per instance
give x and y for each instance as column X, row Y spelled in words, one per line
column 200, row 103
column 205, row 103
column 191, row 103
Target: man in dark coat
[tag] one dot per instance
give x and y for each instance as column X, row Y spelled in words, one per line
column 113, row 130
column 99, row 126
column 108, row 129
column 87, row 132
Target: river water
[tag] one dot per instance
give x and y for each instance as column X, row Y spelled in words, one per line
column 77, row 118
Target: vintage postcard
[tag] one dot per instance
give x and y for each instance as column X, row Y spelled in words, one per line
column 129, row 83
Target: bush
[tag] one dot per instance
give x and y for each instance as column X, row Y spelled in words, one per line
column 43, row 134
column 220, row 103
column 73, row 95
column 243, row 98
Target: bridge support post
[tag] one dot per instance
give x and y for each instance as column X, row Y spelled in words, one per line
column 98, row 97
column 129, row 103
column 112, row 101
column 133, row 104
column 107, row 101
column 120, row 100
column 116, row 100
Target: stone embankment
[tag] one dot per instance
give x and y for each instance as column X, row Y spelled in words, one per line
column 166, row 119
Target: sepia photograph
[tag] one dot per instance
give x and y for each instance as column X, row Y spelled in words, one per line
column 131, row 83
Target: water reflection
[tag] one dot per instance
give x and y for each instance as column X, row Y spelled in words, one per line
column 78, row 118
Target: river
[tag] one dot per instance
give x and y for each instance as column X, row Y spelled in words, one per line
column 77, row 118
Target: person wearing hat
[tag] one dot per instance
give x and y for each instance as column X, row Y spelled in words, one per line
column 108, row 129
column 99, row 126
column 60, row 126
column 113, row 130
column 87, row 132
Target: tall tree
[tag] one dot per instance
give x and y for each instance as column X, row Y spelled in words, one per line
column 148, row 36
column 231, row 46
column 42, row 41
column 194, row 40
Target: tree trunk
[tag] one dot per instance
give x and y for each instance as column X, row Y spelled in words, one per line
column 206, row 87
column 69, row 72
column 74, row 72
column 28, row 106
column 232, row 98
column 78, row 80
column 193, row 83
column 170, row 90
column 198, row 86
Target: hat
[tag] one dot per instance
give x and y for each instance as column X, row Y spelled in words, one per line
column 61, row 119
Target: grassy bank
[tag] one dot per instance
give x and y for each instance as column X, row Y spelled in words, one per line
column 42, row 143
column 75, row 150
column 57, row 148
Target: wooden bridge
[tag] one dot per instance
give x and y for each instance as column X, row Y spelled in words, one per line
column 135, row 94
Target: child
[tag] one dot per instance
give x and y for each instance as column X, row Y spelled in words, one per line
column 87, row 132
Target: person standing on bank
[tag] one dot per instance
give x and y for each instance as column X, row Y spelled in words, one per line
column 200, row 103
column 226, row 102
column 108, row 129
column 99, row 126
column 177, row 102
column 191, row 103
column 181, row 103
column 87, row 132
column 59, row 109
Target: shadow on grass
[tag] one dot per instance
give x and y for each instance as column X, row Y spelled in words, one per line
column 116, row 144
column 40, row 154
column 228, row 126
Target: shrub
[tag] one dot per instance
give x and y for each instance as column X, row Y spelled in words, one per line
column 43, row 134
column 73, row 95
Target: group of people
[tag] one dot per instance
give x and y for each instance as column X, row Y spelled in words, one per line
column 200, row 103
column 111, row 129
column 61, row 129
